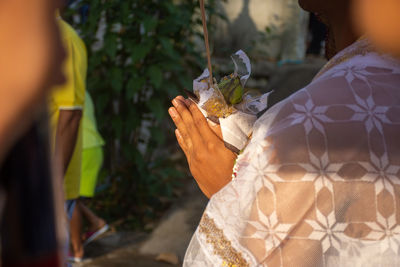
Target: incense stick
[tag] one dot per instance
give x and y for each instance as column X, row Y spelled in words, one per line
column 203, row 18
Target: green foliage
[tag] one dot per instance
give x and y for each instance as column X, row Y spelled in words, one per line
column 146, row 57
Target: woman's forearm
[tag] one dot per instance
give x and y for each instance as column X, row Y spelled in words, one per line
column 67, row 135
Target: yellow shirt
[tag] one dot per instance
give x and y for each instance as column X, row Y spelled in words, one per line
column 70, row 96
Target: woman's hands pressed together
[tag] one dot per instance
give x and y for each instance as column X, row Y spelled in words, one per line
column 210, row 162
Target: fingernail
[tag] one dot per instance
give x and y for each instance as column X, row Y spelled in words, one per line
column 175, row 102
column 172, row 112
column 178, row 133
column 213, row 124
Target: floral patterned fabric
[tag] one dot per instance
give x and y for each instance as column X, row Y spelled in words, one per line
column 319, row 183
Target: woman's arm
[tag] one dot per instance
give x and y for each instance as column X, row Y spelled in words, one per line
column 66, row 136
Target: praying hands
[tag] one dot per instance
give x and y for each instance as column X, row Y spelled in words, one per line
column 210, row 162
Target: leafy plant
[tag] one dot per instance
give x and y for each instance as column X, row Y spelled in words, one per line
column 141, row 55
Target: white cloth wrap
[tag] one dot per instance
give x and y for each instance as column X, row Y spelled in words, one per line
column 237, row 128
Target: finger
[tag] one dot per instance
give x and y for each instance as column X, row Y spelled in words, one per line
column 180, row 125
column 216, row 128
column 182, row 143
column 188, row 121
column 179, row 97
column 200, row 121
column 192, row 96
column 182, row 99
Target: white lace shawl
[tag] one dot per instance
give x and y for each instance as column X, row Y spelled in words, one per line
column 319, row 183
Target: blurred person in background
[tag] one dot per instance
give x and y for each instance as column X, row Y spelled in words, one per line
column 30, row 198
column 92, row 160
column 379, row 19
column 66, row 104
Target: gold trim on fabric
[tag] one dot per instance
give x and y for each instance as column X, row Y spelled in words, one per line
column 221, row 245
column 363, row 47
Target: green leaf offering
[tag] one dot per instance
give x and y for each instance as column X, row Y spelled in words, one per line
column 232, row 89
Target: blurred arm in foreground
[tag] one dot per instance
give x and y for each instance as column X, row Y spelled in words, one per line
column 379, row 19
column 30, row 49
column 30, row 208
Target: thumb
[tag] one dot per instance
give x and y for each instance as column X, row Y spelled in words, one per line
column 216, row 128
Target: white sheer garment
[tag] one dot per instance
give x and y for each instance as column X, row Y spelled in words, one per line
column 319, row 183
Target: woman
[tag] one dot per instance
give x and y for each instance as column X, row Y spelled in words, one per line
column 318, row 185
column 92, row 160
column 65, row 105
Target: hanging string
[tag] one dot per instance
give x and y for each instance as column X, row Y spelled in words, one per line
column 203, row 19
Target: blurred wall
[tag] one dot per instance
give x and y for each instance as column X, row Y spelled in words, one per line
column 246, row 24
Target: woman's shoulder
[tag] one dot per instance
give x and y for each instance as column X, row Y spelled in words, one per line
column 357, row 73
column 359, row 59
column 345, row 103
